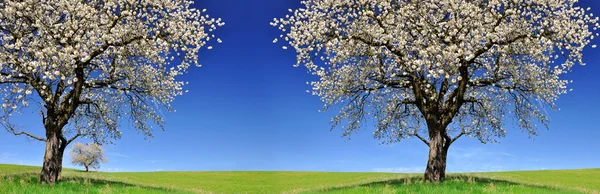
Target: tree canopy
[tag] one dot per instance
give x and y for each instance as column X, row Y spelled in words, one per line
column 92, row 63
column 88, row 65
column 469, row 63
column 439, row 69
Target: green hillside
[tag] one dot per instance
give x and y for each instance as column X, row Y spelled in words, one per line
column 23, row 179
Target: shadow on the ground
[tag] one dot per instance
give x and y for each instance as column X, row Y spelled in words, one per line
column 470, row 179
column 33, row 178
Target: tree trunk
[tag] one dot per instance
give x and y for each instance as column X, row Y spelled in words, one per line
column 87, row 169
column 52, row 158
column 61, row 152
column 438, row 150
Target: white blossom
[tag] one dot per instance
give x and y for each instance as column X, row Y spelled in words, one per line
column 460, row 65
column 93, row 63
column 87, row 155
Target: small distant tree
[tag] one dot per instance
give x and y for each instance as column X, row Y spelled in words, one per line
column 438, row 70
column 86, row 66
column 87, row 155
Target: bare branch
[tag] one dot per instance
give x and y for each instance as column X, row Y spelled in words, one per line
column 458, row 136
column 421, row 138
column 74, row 137
column 11, row 129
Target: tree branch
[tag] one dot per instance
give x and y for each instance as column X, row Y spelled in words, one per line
column 28, row 134
column 421, row 138
column 74, row 137
column 14, row 78
column 458, row 136
column 11, row 129
column 66, row 142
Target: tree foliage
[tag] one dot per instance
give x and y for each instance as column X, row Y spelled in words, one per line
column 85, row 65
column 466, row 66
column 88, row 65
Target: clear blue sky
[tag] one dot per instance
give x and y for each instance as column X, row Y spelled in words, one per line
column 248, row 109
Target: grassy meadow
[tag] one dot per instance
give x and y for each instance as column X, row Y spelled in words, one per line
column 24, row 179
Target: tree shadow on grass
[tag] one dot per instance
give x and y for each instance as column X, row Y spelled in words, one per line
column 79, row 182
column 450, row 179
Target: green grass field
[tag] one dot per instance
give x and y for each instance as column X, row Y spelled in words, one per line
column 23, row 179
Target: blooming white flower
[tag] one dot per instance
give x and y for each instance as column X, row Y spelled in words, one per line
column 90, row 62
column 444, row 67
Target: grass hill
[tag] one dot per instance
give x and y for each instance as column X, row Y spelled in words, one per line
column 24, row 179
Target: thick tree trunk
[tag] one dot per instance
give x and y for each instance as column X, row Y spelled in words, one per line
column 52, row 158
column 87, row 169
column 438, row 150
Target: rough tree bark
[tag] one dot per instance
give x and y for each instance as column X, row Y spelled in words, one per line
column 439, row 142
column 61, row 152
column 438, row 117
column 55, row 149
column 58, row 115
column 436, row 164
column 52, row 157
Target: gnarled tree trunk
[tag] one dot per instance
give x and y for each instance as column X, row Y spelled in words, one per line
column 57, row 118
column 438, row 151
column 52, row 158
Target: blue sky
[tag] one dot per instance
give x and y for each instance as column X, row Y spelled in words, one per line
column 248, row 109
